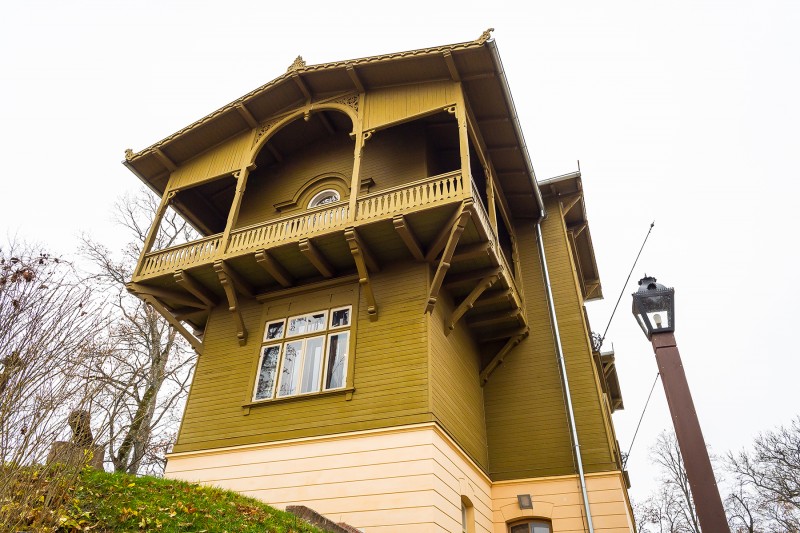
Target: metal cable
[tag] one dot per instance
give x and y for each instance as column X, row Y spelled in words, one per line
column 653, row 223
column 627, row 455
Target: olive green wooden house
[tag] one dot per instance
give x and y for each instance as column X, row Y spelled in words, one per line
column 370, row 305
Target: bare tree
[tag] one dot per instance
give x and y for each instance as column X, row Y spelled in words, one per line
column 48, row 324
column 671, row 509
column 149, row 366
column 769, row 475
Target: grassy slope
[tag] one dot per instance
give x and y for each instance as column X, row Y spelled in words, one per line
column 101, row 502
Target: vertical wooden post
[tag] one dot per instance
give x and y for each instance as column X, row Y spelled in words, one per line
column 490, row 198
column 463, row 137
column 151, row 235
column 355, row 181
column 241, row 184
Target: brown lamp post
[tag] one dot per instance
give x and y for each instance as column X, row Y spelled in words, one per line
column 654, row 308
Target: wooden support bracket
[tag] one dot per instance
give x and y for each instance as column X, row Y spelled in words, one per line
column 315, row 257
column 502, row 296
column 273, row 268
column 360, row 255
column 191, row 285
column 568, row 202
column 228, row 280
column 161, row 309
column 469, row 301
column 476, row 251
column 447, row 255
column 491, row 319
column 442, row 238
column 177, row 297
column 498, row 359
column 408, row 237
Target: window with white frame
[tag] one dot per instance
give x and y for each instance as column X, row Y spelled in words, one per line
column 304, row 354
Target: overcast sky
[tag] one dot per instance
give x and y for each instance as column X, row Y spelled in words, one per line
column 685, row 113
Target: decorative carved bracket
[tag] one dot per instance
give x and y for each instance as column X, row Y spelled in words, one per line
column 498, row 359
column 408, row 237
column 457, row 229
column 191, row 285
column 315, row 257
column 231, row 283
column 273, row 268
column 196, row 343
column 469, row 301
column 364, row 263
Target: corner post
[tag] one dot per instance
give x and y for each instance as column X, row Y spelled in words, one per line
column 360, row 137
column 241, row 176
column 151, row 235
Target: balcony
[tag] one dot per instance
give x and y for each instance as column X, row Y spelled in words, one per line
column 407, row 199
column 440, row 220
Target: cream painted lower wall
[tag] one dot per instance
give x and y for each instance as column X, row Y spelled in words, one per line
column 404, row 479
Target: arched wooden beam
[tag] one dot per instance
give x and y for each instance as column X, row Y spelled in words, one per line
column 469, row 301
column 498, row 359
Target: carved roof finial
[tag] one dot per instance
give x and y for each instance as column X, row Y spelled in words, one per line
column 485, row 36
column 298, row 64
column 128, row 154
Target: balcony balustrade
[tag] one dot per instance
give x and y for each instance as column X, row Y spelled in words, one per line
column 416, row 196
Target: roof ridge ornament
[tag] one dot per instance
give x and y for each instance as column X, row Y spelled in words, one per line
column 298, row 63
column 485, row 36
column 128, row 154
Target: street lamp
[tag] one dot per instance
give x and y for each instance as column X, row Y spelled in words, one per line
column 654, row 309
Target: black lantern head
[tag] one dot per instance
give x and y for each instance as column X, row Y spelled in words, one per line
column 654, row 307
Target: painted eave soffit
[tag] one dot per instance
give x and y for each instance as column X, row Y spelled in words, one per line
column 475, row 64
column 568, row 189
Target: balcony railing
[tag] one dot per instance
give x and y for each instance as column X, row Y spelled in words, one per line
column 309, row 223
column 182, row 256
column 410, row 197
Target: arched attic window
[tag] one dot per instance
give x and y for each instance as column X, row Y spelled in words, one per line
column 327, row 196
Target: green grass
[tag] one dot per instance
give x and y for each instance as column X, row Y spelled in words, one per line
column 101, row 502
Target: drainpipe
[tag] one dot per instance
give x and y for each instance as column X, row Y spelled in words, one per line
column 563, row 368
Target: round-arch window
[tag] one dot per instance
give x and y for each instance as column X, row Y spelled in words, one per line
column 328, row 196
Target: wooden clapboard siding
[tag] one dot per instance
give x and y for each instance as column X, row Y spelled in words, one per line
column 456, row 392
column 281, row 182
column 386, row 106
column 526, row 419
column 395, row 156
column 223, row 159
column 390, row 371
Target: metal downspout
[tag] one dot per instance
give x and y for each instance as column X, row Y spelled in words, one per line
column 563, row 368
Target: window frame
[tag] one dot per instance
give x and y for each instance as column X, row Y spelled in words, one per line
column 326, row 332
column 531, row 521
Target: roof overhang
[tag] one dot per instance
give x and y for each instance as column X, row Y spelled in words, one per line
column 476, row 65
column 568, row 189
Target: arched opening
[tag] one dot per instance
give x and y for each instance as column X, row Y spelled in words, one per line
column 467, row 516
column 531, row 526
column 317, row 146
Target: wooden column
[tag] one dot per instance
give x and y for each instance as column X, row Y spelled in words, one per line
column 361, row 138
column 491, row 207
column 463, row 137
column 241, row 184
column 151, row 235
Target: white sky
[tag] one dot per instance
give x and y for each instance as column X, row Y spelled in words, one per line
column 685, row 113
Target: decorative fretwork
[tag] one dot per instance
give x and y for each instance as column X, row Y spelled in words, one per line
column 298, row 63
column 349, row 101
column 262, row 131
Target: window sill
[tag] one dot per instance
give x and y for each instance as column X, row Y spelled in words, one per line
column 347, row 391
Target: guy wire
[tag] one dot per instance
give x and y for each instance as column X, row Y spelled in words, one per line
column 627, row 455
column 653, row 223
